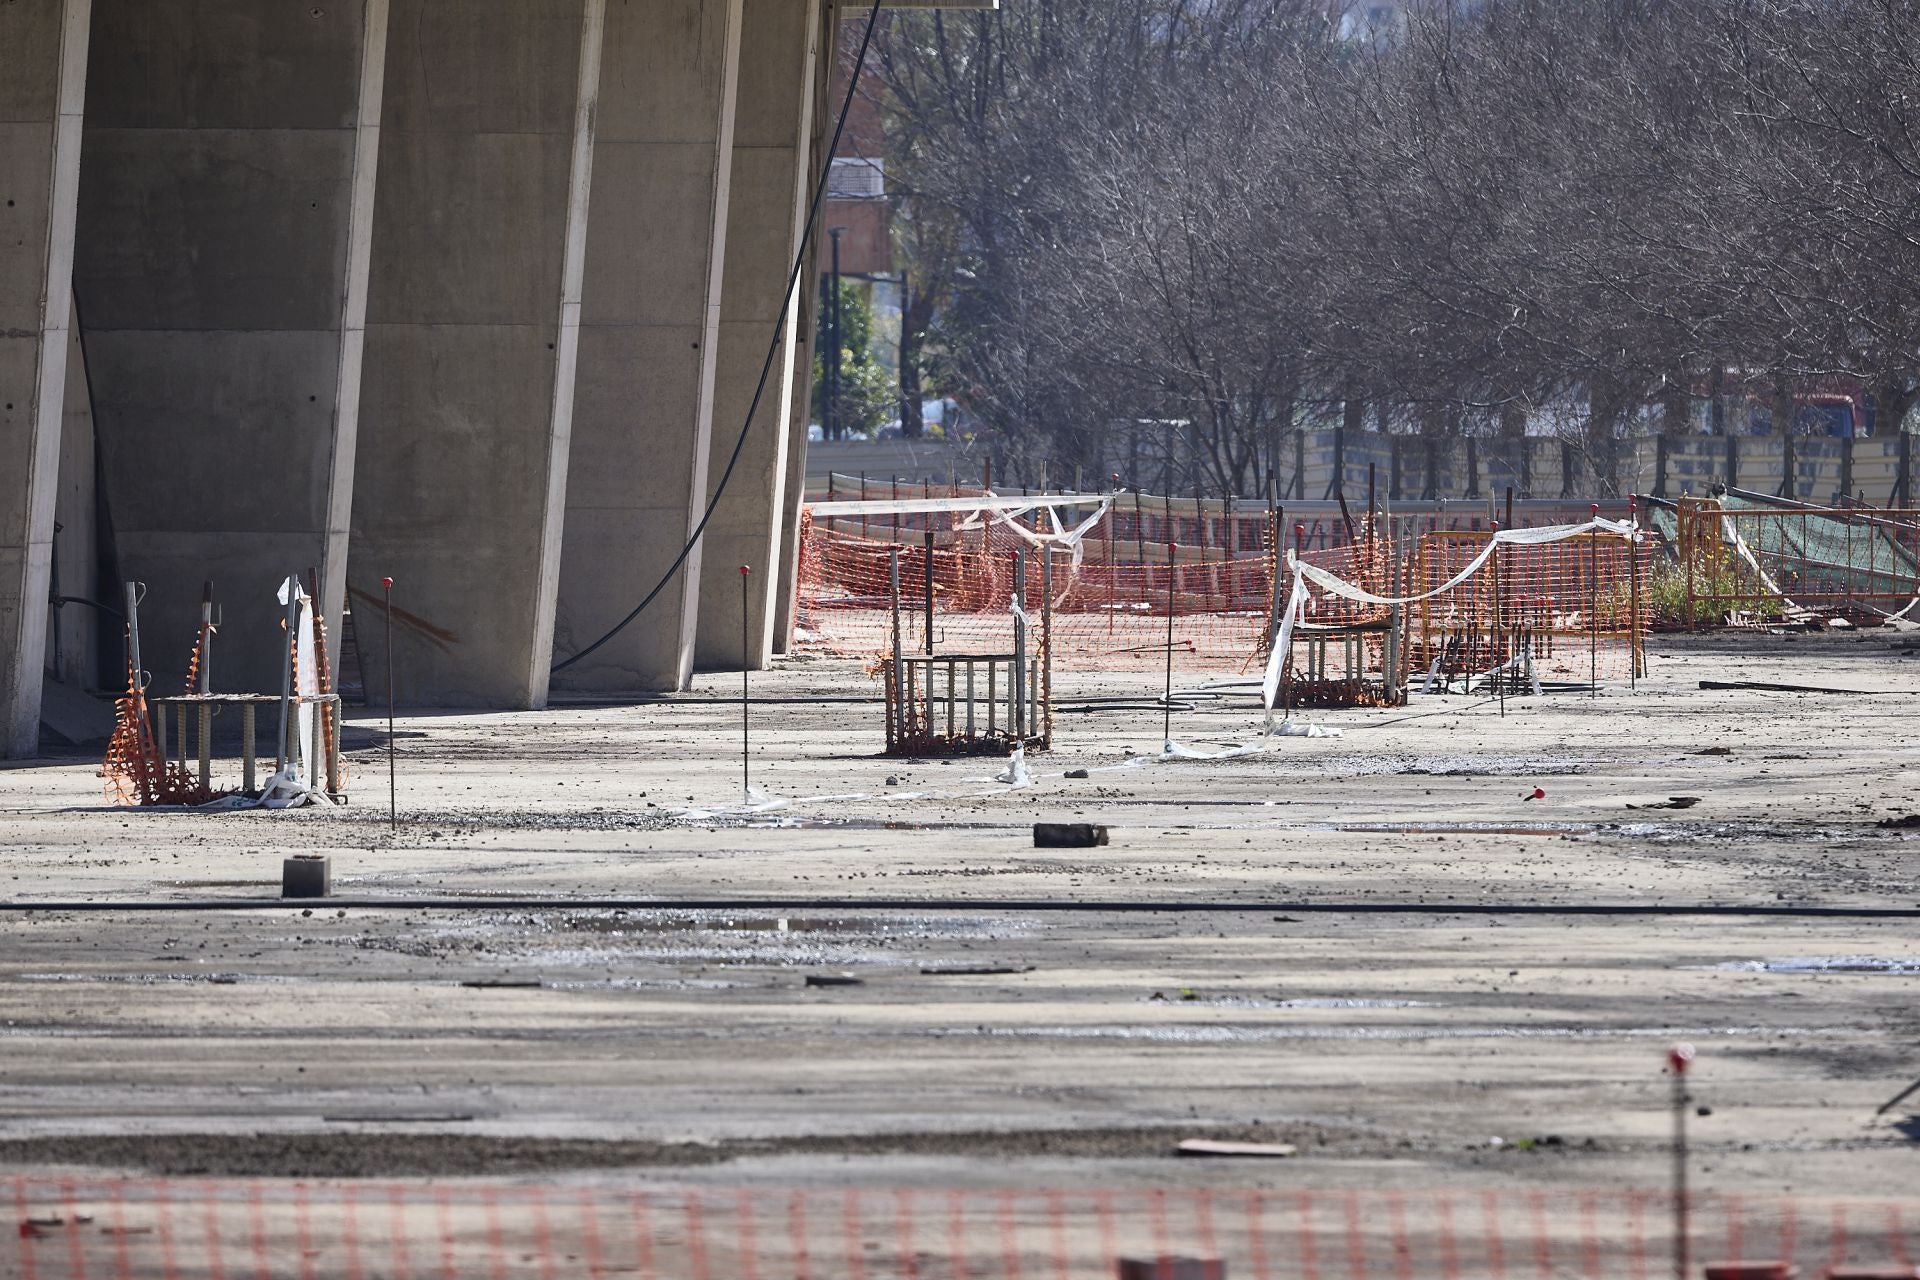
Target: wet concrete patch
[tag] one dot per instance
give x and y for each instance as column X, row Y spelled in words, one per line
column 577, row 939
column 1900, row 966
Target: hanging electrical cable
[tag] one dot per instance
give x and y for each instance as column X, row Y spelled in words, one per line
column 773, row 348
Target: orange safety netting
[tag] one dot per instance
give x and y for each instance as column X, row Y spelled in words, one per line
column 134, row 769
column 1578, row 606
column 1110, row 603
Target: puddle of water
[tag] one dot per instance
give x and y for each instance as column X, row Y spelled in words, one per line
column 1214, row 1034
column 156, row 979
column 579, row 939
column 1470, row 766
column 1464, row 828
column 1304, row 1002
column 1905, row 966
column 620, row 923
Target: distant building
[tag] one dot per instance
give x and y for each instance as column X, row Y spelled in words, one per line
column 1370, row 20
column 857, row 180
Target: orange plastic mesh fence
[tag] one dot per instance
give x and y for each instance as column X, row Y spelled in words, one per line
column 77, row 1228
column 1212, row 564
column 1580, row 604
column 1110, row 604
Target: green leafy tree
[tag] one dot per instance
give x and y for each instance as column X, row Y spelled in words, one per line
column 866, row 397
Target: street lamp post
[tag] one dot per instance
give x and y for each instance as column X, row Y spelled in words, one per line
column 830, row 417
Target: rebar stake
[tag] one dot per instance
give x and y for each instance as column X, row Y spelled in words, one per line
column 393, row 794
column 1678, row 1059
column 746, row 777
column 1167, row 701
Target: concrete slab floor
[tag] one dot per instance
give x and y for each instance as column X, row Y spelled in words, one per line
column 989, row 1045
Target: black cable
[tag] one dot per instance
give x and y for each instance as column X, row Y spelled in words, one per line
column 952, row 905
column 773, row 347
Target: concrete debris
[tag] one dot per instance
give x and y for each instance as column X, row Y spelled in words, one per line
column 1068, row 835
column 306, row 875
column 1215, row 1147
column 1170, row 1269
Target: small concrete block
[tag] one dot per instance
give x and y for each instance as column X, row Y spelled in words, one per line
column 1752, row 1269
column 1170, row 1268
column 306, row 875
column 1067, row 835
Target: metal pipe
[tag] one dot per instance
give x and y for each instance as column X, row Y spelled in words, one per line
column 928, row 565
column 286, row 671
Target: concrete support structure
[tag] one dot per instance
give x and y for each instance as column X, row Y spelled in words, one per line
column 223, row 243
column 772, row 163
column 42, row 95
column 80, row 634
column 649, row 339
column 467, row 403
column 825, row 107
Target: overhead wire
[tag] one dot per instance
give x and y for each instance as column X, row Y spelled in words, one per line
column 773, row 348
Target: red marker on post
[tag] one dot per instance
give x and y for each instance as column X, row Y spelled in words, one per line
column 746, row 781
column 1679, row 1058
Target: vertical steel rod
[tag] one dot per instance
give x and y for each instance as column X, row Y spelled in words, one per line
column 286, row 673
column 1593, row 608
column 1633, row 590
column 899, row 707
column 248, row 719
column 927, row 564
column 1678, row 1059
column 393, row 794
column 1166, row 701
column 746, row 661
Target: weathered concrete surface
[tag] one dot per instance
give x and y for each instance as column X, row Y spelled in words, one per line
column 1392, row 1048
column 79, row 631
column 225, row 203
column 480, row 220
column 649, row 339
column 807, row 310
column 43, row 52
column 766, row 214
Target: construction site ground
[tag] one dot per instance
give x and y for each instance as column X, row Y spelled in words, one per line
column 824, row 1033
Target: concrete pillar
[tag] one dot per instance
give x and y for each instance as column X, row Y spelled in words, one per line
column 42, row 92
column 649, row 329
column 800, row 406
column 473, row 326
column 79, row 632
column 224, row 226
column 766, row 215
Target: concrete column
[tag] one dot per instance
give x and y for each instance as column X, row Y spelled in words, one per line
column 649, row 339
column 766, row 215
column 800, row 407
column 42, row 92
column 473, row 326
column 223, row 245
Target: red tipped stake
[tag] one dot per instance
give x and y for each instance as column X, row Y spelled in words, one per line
column 393, row 793
column 1679, row 1058
column 746, row 661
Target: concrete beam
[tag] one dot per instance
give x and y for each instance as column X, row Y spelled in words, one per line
column 649, row 340
column 467, row 401
column 42, row 96
column 224, row 232
column 800, row 403
column 771, row 183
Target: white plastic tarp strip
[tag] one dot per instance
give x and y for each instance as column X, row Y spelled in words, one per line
column 917, row 506
column 1335, row 585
